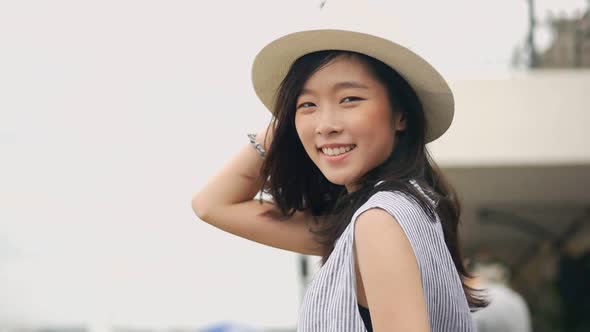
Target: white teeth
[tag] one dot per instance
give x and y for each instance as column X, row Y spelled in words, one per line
column 337, row 151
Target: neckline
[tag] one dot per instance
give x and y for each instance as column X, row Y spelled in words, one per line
column 360, row 306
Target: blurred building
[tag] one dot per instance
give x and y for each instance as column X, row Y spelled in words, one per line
column 571, row 43
column 518, row 154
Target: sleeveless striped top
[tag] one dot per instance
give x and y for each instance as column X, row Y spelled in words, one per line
column 330, row 301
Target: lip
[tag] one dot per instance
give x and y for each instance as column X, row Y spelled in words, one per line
column 337, row 158
column 332, row 146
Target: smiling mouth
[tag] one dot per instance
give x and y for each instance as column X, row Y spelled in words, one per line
column 337, row 151
column 336, row 155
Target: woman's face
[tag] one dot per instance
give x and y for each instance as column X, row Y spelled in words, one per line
column 343, row 106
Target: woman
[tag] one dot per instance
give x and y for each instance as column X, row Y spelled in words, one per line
column 345, row 161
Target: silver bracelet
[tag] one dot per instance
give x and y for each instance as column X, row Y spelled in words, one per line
column 257, row 145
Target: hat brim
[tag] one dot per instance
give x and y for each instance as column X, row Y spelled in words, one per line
column 273, row 62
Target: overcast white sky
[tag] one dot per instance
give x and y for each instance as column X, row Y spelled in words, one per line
column 113, row 113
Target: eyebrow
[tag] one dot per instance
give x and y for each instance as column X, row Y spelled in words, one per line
column 340, row 86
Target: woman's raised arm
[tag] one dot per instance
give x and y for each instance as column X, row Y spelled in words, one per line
column 235, row 183
column 226, row 202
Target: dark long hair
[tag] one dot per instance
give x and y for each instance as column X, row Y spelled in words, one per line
column 296, row 184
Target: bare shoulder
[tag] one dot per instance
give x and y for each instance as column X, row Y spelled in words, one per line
column 377, row 223
column 389, row 273
column 379, row 237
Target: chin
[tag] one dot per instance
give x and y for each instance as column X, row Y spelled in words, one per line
column 338, row 180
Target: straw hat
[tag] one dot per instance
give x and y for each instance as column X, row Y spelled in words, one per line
column 356, row 26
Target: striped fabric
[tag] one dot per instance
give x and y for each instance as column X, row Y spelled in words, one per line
column 330, row 302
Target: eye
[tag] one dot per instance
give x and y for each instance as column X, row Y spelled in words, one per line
column 351, row 99
column 305, row 105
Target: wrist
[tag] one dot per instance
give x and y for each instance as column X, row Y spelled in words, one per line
column 255, row 141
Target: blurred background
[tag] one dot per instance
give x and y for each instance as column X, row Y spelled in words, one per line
column 114, row 113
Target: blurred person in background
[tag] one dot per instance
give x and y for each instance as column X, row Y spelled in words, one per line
column 507, row 311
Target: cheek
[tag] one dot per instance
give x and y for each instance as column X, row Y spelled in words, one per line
column 299, row 128
column 303, row 133
column 378, row 128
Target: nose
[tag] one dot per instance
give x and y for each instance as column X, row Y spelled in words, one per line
column 328, row 122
